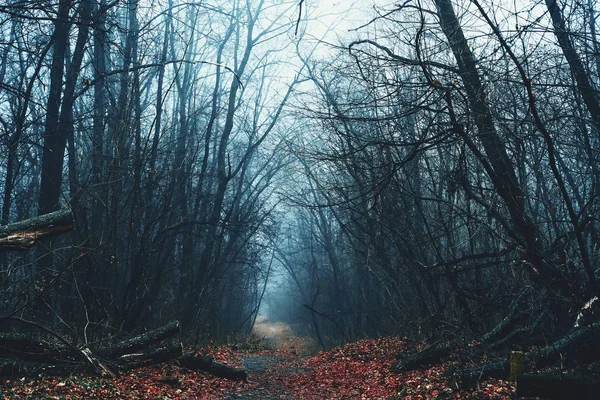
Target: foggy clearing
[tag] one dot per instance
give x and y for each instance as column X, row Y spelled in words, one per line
column 299, row 199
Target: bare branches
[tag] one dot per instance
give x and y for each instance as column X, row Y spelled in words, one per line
column 400, row 59
column 89, row 83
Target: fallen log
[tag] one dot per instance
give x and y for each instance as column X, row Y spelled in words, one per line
column 206, row 364
column 471, row 376
column 19, row 346
column 19, row 368
column 558, row 386
column 140, row 342
column 430, row 355
column 579, row 346
column 146, row 359
column 71, row 351
column 38, row 356
column 24, row 234
column 98, row 366
column 169, row 380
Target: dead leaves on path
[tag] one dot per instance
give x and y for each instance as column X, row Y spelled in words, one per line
column 359, row 370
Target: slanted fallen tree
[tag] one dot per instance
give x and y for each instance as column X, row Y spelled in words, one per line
column 22, row 355
column 132, row 345
column 580, row 346
column 432, row 354
column 501, row 335
column 24, row 234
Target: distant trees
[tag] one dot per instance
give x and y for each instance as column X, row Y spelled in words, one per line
column 458, row 175
column 432, row 179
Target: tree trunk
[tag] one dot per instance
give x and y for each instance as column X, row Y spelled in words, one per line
column 141, row 341
column 24, row 234
column 145, row 359
column 501, row 171
column 52, row 153
column 206, row 364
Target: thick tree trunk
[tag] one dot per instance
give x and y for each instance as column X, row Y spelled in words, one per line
column 206, row 364
column 52, row 153
column 145, row 359
column 142, row 341
column 501, row 171
column 26, row 348
column 433, row 354
column 24, row 234
column 585, row 87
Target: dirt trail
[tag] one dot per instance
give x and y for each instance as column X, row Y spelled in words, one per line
column 269, row 369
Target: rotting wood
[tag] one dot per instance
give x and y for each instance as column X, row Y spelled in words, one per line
column 517, row 365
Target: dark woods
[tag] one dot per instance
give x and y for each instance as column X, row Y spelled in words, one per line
column 434, row 175
column 151, row 124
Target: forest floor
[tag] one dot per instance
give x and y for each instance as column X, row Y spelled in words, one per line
column 280, row 366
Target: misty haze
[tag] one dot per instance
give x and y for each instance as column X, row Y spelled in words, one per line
column 303, row 199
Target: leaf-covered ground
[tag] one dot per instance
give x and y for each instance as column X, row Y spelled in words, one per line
column 359, row 370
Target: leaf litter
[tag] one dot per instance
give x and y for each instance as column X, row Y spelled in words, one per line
column 359, row 370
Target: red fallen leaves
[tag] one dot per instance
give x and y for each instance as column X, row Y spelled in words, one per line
column 222, row 354
column 358, row 370
column 361, row 370
column 140, row 384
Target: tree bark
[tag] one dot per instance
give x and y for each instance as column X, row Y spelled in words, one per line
column 141, row 341
column 145, row 359
column 24, row 234
column 501, row 171
column 433, row 354
column 206, row 364
column 26, row 348
column 51, row 173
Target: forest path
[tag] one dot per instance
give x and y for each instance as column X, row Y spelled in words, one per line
column 269, row 370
